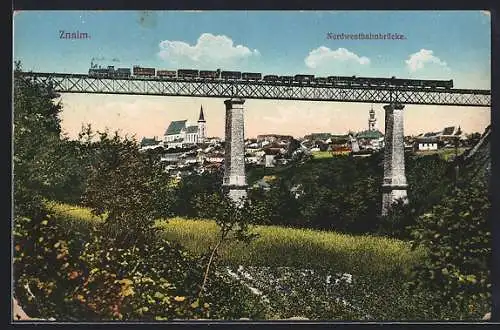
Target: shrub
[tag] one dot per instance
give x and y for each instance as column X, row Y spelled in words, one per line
column 82, row 275
column 457, row 235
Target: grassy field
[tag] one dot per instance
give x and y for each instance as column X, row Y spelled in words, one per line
column 279, row 246
column 257, row 173
column 446, row 154
column 321, row 154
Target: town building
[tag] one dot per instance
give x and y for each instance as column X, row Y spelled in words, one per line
column 427, row 143
column 150, row 143
column 273, row 137
column 340, row 144
column 315, row 137
column 449, row 136
column 180, row 134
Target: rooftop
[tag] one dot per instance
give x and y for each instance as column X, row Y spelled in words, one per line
column 448, row 130
column 202, row 116
column 376, row 134
column 175, row 127
column 192, row 129
column 145, row 142
column 431, row 139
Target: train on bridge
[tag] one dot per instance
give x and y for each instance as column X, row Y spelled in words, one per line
column 138, row 72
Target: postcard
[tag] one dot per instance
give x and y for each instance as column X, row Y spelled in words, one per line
column 181, row 166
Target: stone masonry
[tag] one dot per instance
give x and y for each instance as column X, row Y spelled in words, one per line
column 394, row 185
column 234, row 181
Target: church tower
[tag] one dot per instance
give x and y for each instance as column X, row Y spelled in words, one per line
column 371, row 120
column 202, row 127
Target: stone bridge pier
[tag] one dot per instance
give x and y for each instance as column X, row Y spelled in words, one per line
column 394, row 185
column 234, row 182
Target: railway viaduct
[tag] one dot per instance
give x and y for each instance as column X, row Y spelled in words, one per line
column 235, row 92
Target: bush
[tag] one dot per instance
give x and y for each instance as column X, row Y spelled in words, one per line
column 151, row 281
column 81, row 275
column 194, row 187
column 78, row 277
column 457, row 235
column 127, row 186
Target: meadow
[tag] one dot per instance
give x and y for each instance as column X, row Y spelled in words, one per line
column 321, row 154
column 280, row 246
column 303, row 272
column 445, row 153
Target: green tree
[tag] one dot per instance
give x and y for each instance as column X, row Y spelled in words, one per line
column 36, row 137
column 192, row 187
column 457, row 236
column 124, row 185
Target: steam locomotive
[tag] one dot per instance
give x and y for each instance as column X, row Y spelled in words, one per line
column 190, row 74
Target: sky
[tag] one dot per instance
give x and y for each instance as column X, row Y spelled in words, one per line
column 436, row 45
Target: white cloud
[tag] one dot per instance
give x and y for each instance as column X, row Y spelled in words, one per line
column 209, row 49
column 486, row 13
column 419, row 59
column 324, row 56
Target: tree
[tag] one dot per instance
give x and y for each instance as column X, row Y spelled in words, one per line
column 233, row 219
column 457, row 235
column 194, row 186
column 124, row 184
column 36, row 137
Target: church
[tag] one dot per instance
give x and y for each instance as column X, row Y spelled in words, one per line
column 371, row 138
column 180, row 133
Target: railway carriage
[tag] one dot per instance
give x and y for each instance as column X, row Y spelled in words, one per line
column 286, row 79
column 271, row 77
column 251, row 76
column 231, row 75
column 341, row 80
column 188, row 73
column 123, row 73
column 304, row 77
column 210, row 74
column 143, row 72
column 166, row 73
column 321, row 80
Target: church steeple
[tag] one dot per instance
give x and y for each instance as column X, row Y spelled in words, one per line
column 371, row 120
column 202, row 127
column 202, row 116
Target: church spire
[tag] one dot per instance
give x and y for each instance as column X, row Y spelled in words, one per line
column 371, row 119
column 202, row 116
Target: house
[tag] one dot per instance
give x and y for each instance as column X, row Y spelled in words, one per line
column 214, row 158
column 270, row 156
column 273, row 138
column 150, row 143
column 426, row 143
column 450, row 135
column 170, row 157
column 340, row 150
column 340, row 144
column 370, row 139
column 318, row 136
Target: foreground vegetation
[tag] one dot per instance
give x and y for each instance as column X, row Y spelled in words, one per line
column 283, row 247
column 298, row 262
column 109, row 258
